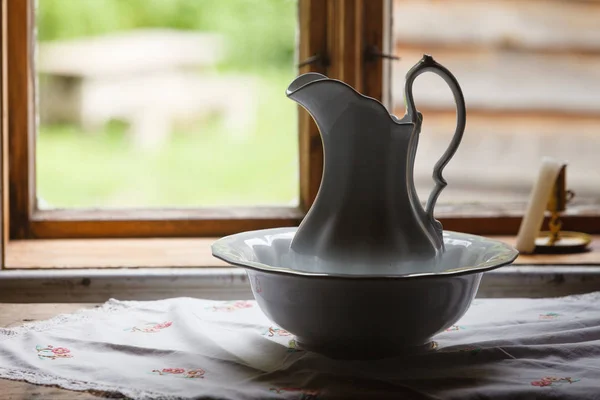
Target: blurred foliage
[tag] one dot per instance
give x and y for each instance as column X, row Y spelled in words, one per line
column 199, row 166
column 260, row 29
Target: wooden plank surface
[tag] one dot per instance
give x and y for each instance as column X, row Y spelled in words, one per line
column 148, row 223
column 500, row 155
column 592, row 257
column 132, row 253
column 541, row 25
column 312, row 35
column 3, row 134
column 344, row 41
column 20, row 108
column 530, row 73
column 375, row 30
column 111, row 253
column 12, row 315
column 504, row 80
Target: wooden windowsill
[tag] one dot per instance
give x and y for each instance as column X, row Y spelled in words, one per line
column 181, row 253
column 592, row 257
column 111, row 253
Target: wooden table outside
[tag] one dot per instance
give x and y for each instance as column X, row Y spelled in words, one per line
column 12, row 315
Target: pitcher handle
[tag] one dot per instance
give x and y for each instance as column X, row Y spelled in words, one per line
column 427, row 63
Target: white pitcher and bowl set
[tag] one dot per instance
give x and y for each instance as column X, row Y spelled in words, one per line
column 370, row 272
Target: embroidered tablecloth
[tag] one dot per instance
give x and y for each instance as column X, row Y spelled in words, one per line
column 190, row 348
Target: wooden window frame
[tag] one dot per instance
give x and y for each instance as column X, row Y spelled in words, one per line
column 316, row 37
column 336, row 32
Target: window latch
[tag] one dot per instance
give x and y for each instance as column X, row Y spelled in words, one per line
column 372, row 53
column 319, row 59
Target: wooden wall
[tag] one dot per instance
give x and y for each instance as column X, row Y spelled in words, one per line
column 530, row 72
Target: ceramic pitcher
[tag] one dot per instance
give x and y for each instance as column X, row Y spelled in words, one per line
column 367, row 217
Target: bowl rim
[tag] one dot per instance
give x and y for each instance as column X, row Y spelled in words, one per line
column 219, row 250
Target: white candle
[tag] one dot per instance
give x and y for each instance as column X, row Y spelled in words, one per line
column 540, row 194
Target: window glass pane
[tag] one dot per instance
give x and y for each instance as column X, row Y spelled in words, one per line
column 530, row 73
column 146, row 103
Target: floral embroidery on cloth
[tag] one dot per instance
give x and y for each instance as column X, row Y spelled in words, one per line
column 550, row 315
column 150, row 327
column 553, row 381
column 181, row 372
column 230, row 306
column 293, row 346
column 52, row 353
column 455, row 328
column 276, row 332
column 304, row 394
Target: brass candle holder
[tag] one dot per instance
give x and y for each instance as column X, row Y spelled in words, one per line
column 556, row 241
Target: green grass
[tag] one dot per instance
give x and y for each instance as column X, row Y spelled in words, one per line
column 203, row 166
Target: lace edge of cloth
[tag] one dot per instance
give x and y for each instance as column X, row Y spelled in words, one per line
column 110, row 306
column 79, row 386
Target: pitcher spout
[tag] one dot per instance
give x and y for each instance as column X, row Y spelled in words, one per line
column 325, row 99
column 311, row 91
column 302, row 81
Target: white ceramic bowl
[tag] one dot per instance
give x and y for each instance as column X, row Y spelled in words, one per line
column 362, row 316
